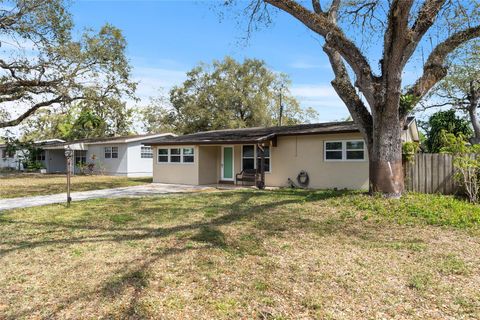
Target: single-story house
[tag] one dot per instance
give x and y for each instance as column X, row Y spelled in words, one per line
column 119, row 156
column 14, row 160
column 334, row 155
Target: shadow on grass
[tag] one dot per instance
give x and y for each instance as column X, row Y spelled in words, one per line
column 258, row 206
column 235, row 211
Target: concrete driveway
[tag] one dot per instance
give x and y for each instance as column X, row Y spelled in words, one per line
column 136, row 191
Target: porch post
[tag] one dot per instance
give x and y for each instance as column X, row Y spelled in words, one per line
column 261, row 183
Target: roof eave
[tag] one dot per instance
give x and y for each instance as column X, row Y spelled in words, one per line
column 250, row 141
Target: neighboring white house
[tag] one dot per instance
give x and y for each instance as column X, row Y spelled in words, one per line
column 119, row 156
column 14, row 160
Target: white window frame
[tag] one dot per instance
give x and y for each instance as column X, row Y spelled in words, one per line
column 41, row 156
column 146, row 152
column 164, row 155
column 255, row 156
column 111, row 152
column 181, row 155
column 7, row 155
column 82, row 155
column 344, row 151
column 187, row 155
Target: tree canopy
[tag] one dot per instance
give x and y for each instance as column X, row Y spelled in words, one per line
column 441, row 123
column 226, row 94
column 84, row 119
column 42, row 65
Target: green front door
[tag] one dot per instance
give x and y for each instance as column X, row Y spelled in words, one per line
column 227, row 172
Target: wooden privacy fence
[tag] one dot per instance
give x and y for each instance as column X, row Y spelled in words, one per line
column 430, row 173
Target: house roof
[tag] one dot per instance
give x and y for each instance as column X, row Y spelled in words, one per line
column 41, row 143
column 109, row 140
column 258, row 134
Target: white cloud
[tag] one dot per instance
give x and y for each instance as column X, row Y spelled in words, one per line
column 304, row 64
column 151, row 79
column 322, row 98
column 313, row 91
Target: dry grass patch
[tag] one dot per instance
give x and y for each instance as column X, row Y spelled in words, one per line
column 237, row 254
column 27, row 185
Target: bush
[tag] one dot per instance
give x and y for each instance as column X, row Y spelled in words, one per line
column 409, row 149
column 33, row 165
column 466, row 163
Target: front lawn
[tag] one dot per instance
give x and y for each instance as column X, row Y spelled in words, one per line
column 285, row 254
column 26, row 185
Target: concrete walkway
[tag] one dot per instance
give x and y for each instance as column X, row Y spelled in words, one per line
column 137, row 191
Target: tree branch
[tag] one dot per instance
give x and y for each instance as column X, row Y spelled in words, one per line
column 317, row 7
column 30, row 111
column 346, row 91
column 434, row 69
column 335, row 38
column 334, row 7
column 426, row 17
column 422, row 24
column 396, row 37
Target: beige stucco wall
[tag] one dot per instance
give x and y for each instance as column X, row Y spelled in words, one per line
column 296, row 153
column 208, row 161
column 181, row 173
column 292, row 154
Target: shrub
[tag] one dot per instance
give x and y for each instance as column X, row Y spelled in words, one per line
column 409, row 149
column 466, row 163
column 33, row 165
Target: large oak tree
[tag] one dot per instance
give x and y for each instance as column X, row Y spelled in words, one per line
column 42, row 65
column 374, row 97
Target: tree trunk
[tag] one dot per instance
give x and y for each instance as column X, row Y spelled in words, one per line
column 472, row 111
column 385, row 155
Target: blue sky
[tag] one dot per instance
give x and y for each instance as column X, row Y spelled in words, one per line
column 167, row 38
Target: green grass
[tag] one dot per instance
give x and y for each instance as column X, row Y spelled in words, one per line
column 26, row 185
column 283, row 254
column 416, row 209
column 420, row 281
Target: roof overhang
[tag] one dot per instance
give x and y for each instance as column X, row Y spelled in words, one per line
column 263, row 139
column 73, row 146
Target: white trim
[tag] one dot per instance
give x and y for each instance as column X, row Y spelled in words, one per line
column 233, row 164
column 181, row 155
column 344, row 151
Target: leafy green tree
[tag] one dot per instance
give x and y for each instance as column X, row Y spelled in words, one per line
column 460, row 89
column 227, row 94
column 158, row 116
column 441, row 123
column 42, row 65
column 85, row 119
